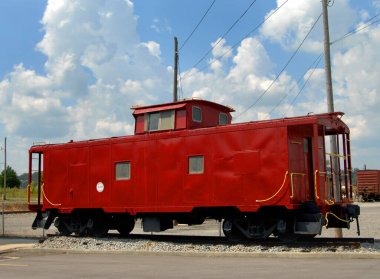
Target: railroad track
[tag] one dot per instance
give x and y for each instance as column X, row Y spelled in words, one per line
column 15, row 212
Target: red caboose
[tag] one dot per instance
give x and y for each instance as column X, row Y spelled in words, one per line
column 187, row 162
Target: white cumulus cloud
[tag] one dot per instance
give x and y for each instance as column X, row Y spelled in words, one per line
column 292, row 22
column 96, row 69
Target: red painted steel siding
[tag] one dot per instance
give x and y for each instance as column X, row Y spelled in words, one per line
column 239, row 168
column 124, row 191
column 180, row 121
column 183, row 115
column 170, row 171
column 249, row 165
column 210, row 116
column 246, row 165
column 140, row 124
column 56, row 177
column 101, row 171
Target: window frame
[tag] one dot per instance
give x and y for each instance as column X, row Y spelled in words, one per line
column 224, row 115
column 190, row 169
column 149, row 121
column 192, row 114
column 123, row 178
column 172, row 120
column 160, row 121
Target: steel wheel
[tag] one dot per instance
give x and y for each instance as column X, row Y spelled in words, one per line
column 63, row 227
column 231, row 231
column 99, row 227
column 125, row 226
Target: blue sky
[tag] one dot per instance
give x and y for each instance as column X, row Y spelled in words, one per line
column 170, row 18
column 20, row 31
column 71, row 69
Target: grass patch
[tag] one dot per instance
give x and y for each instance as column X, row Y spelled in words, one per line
column 18, row 194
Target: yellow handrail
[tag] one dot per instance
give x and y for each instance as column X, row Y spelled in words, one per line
column 43, row 193
column 336, row 155
column 278, row 191
column 315, row 182
column 291, row 181
column 329, row 202
column 330, row 213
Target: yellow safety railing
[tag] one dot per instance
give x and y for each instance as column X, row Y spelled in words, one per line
column 291, row 181
column 278, row 191
column 337, row 155
column 337, row 217
column 329, row 202
column 325, row 174
column 44, row 195
column 318, row 174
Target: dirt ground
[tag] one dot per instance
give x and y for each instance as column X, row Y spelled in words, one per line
column 20, row 225
column 10, row 206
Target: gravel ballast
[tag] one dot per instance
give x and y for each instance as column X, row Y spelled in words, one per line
column 19, row 225
column 136, row 245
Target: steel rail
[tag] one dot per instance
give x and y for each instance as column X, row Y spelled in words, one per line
column 17, row 212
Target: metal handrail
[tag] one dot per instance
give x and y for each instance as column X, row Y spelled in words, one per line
column 44, row 195
column 278, row 191
column 337, row 155
column 291, row 181
column 315, row 181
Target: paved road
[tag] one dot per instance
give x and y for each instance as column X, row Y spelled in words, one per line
column 37, row 264
column 61, row 265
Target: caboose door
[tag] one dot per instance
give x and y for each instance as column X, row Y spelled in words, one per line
column 308, row 153
column 301, row 168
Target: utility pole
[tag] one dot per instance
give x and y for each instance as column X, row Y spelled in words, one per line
column 330, row 108
column 5, row 181
column 329, row 89
column 175, row 81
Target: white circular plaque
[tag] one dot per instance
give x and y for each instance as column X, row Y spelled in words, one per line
column 100, row 187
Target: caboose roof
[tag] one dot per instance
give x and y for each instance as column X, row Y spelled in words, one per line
column 179, row 104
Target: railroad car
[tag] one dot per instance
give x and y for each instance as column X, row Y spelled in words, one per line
column 187, row 162
column 368, row 185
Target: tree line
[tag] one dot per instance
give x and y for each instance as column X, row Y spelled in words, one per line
column 13, row 181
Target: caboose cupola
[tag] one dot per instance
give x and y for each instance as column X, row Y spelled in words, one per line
column 184, row 114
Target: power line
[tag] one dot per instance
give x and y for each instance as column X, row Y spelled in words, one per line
column 356, row 30
column 282, row 70
column 286, row 95
column 237, row 43
column 306, row 81
column 224, row 35
column 196, row 27
column 282, row 99
column 298, row 82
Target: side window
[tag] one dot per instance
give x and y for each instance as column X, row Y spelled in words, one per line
column 196, row 164
column 197, row 114
column 163, row 120
column 222, row 119
column 167, row 120
column 153, row 119
column 123, row 171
